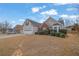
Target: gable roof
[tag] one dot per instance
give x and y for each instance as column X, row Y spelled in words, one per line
column 35, row 24
column 51, row 21
column 50, row 18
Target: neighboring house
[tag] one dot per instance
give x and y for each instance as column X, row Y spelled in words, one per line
column 69, row 28
column 10, row 31
column 0, row 31
column 18, row 28
column 30, row 27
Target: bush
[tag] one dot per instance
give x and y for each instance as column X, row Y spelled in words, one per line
column 46, row 32
column 40, row 32
column 62, row 35
column 43, row 32
column 63, row 31
column 52, row 33
column 57, row 34
column 36, row 33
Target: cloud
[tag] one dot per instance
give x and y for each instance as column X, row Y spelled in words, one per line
column 69, row 16
column 50, row 12
column 73, row 16
column 72, row 9
column 22, row 20
column 64, row 15
column 70, row 19
column 37, row 9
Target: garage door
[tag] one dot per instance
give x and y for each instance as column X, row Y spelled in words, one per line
column 28, row 32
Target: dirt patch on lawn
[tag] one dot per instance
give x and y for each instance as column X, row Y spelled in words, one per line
column 40, row 45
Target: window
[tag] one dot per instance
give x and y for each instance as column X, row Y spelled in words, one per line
column 55, row 29
column 28, row 28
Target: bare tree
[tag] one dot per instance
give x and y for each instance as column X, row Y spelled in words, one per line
column 0, row 27
column 4, row 26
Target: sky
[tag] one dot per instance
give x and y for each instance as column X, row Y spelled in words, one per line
column 17, row 13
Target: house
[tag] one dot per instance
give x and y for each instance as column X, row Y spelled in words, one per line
column 30, row 26
column 18, row 28
column 10, row 31
column 53, row 24
column 0, row 31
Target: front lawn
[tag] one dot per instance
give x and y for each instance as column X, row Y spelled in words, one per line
column 43, row 45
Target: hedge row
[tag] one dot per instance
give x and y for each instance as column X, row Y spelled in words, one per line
column 62, row 33
column 43, row 32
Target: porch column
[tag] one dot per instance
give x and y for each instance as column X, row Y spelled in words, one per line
column 57, row 28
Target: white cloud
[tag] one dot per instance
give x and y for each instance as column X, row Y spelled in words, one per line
column 70, row 19
column 64, row 15
column 72, row 9
column 37, row 9
column 50, row 12
column 69, row 16
column 73, row 16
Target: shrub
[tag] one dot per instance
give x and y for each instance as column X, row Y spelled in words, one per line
column 52, row 33
column 40, row 32
column 36, row 33
column 44, row 32
column 62, row 35
column 57, row 34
